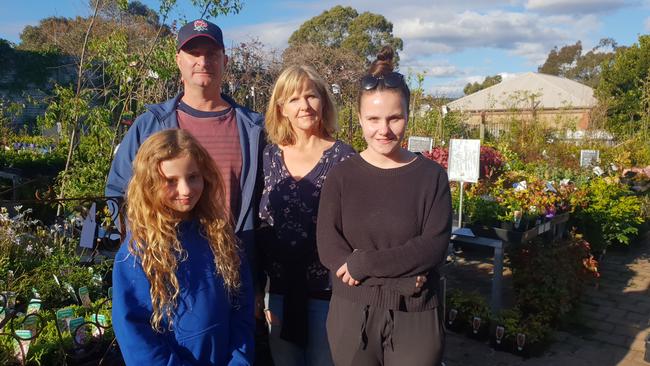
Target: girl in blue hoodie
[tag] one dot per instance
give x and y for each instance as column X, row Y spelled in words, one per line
column 182, row 292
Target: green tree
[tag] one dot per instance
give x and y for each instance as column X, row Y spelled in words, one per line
column 328, row 29
column 125, row 56
column 66, row 35
column 621, row 87
column 558, row 61
column 489, row 81
column 344, row 27
column 570, row 62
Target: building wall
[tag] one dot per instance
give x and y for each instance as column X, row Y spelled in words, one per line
column 553, row 118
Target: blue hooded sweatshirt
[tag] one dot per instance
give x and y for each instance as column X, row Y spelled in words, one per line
column 208, row 328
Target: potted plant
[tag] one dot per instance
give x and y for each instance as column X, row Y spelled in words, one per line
column 506, row 322
column 468, row 313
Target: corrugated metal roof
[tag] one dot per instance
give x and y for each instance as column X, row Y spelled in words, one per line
column 527, row 90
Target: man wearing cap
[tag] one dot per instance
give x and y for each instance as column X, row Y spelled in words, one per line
column 231, row 133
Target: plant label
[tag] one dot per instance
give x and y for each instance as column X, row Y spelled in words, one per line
column 63, row 317
column 452, row 316
column 521, row 341
column 22, row 347
column 84, row 295
column 500, row 331
column 30, row 323
column 476, row 324
column 420, row 144
column 464, row 160
column 68, row 287
column 78, row 330
column 9, row 298
column 34, row 306
column 88, row 229
column 100, row 319
column 589, row 157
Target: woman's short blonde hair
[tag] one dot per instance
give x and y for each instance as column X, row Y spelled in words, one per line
column 278, row 127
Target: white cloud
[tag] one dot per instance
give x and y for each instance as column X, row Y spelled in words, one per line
column 442, row 71
column 575, row 6
column 454, row 88
column 646, row 24
column 432, row 69
column 447, row 90
column 471, row 29
column 415, row 49
column 508, row 75
column 534, row 53
column 273, row 34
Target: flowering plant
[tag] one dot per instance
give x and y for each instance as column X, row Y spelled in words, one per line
column 491, row 160
column 40, row 259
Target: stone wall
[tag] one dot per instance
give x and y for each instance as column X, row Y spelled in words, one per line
column 34, row 95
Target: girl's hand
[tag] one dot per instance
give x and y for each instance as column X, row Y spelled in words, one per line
column 345, row 276
column 419, row 283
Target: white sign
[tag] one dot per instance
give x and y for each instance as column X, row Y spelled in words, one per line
column 88, row 229
column 589, row 157
column 420, row 144
column 464, row 160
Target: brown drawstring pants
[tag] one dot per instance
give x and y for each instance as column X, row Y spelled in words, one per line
column 362, row 335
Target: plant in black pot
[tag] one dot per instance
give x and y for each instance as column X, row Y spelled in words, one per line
column 530, row 337
column 468, row 313
column 500, row 330
column 454, row 319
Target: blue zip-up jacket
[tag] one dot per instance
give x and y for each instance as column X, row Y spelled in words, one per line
column 162, row 116
column 208, row 328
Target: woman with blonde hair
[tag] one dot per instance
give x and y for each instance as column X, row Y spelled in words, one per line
column 300, row 123
column 182, row 292
column 384, row 213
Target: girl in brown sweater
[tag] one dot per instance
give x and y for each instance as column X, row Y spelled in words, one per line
column 384, row 220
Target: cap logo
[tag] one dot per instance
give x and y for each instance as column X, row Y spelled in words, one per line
column 200, row 25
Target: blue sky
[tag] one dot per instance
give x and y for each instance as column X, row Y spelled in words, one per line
column 454, row 42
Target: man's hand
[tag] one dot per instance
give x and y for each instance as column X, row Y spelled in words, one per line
column 271, row 319
column 345, row 276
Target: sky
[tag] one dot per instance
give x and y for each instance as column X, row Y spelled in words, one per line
column 452, row 42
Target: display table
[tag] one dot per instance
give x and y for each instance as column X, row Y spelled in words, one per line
column 499, row 239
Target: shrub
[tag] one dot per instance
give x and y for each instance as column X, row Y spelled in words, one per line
column 610, row 214
column 548, row 276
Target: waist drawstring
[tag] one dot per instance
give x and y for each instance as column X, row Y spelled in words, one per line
column 364, row 323
column 390, row 325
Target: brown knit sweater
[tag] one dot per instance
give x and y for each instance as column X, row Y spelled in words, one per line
column 386, row 224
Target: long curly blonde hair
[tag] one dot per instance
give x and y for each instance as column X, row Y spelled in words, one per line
column 154, row 226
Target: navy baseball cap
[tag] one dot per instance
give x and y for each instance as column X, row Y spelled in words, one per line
column 199, row 28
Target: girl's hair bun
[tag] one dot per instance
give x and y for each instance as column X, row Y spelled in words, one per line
column 383, row 64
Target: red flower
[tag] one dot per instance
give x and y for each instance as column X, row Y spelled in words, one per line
column 491, row 159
